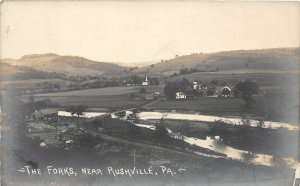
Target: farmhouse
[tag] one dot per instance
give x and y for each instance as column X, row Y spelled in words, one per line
column 47, row 115
column 225, row 92
column 155, row 95
column 145, row 83
column 195, row 85
column 180, row 95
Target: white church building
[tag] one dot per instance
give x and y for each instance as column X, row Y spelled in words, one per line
column 145, row 83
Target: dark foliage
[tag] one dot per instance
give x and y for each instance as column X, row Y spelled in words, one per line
column 245, row 90
column 180, row 85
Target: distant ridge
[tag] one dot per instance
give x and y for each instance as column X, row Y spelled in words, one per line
column 273, row 59
column 277, row 58
column 75, row 65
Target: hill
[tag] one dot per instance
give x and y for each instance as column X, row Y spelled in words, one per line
column 65, row 64
column 271, row 59
column 7, row 70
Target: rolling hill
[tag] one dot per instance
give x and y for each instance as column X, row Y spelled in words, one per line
column 7, row 70
column 65, row 64
column 269, row 59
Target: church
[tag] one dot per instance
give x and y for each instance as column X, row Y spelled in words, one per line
column 145, row 83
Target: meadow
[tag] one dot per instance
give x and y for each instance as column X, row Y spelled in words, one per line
column 269, row 81
column 110, row 98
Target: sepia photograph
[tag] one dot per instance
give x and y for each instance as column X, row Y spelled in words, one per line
column 153, row 93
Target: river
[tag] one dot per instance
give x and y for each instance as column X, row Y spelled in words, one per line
column 214, row 144
column 209, row 119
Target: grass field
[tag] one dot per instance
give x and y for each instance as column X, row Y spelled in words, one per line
column 35, row 83
column 94, row 92
column 111, row 97
column 275, row 107
column 267, row 80
column 206, row 104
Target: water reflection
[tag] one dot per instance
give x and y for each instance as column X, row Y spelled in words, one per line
column 214, row 144
column 208, row 118
column 236, row 154
column 230, row 152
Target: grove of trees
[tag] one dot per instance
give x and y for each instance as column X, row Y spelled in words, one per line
column 246, row 89
column 175, row 86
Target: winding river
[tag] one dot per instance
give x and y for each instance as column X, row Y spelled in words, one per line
column 214, row 144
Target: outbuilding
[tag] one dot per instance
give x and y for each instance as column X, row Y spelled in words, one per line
column 226, row 91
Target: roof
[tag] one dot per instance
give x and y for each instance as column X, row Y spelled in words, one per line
column 226, row 88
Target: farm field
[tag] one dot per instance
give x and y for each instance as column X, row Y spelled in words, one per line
column 109, row 98
column 109, row 102
column 273, row 81
column 213, row 105
column 31, row 83
column 109, row 91
column 271, row 107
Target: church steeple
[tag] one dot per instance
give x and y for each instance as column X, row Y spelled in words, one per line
column 145, row 83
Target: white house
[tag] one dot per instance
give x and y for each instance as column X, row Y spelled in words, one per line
column 195, row 85
column 180, row 95
column 145, row 83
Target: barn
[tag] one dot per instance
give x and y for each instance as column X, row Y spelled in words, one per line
column 226, row 91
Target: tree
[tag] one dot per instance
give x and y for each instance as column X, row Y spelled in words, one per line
column 154, row 81
column 174, row 86
column 78, row 111
column 211, row 90
column 134, row 79
column 161, row 131
column 246, row 89
column 183, row 71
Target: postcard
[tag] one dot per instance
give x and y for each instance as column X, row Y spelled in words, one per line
column 154, row 93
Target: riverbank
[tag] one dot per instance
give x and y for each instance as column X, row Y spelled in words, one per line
column 277, row 142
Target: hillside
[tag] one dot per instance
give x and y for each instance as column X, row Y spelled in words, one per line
column 7, row 70
column 271, row 59
column 65, row 64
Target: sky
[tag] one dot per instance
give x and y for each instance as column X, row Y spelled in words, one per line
column 140, row 31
